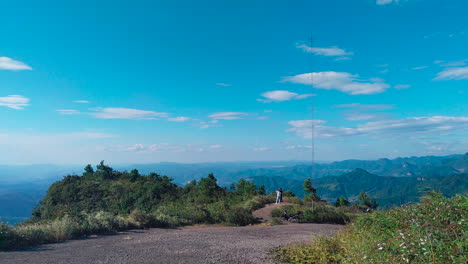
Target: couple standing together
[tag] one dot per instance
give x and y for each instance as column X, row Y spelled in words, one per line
column 279, row 196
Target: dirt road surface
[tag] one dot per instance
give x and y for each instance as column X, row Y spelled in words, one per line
column 207, row 244
column 193, row 245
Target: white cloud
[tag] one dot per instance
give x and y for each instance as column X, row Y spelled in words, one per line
column 402, row 86
column 179, row 119
column 420, row 68
column 328, row 52
column 455, row 63
column 261, row 149
column 341, row 81
column 10, row 64
column 17, row 102
column 224, row 84
column 430, row 124
column 281, row 95
column 151, row 148
column 126, row 113
column 81, row 102
column 90, row 135
column 68, row 111
column 227, row 115
column 215, row 147
column 361, row 116
column 387, row 2
column 455, row 73
column 299, row 147
column 208, row 124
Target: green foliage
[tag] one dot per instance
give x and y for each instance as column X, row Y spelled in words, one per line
column 341, row 201
column 433, row 231
column 320, row 213
column 366, row 201
column 310, row 191
column 238, row 216
column 105, row 200
column 106, row 190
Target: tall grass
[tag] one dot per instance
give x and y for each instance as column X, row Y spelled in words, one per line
column 173, row 214
column 433, row 231
column 320, row 213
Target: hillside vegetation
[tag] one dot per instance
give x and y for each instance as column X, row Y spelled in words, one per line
column 106, row 200
column 388, row 191
column 433, row 231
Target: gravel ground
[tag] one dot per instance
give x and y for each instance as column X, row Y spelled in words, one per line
column 187, row 245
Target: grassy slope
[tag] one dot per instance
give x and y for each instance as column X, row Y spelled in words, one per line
column 433, row 231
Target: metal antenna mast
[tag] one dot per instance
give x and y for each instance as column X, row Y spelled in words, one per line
column 313, row 118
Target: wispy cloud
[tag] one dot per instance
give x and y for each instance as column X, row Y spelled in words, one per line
column 455, row 63
column 428, row 124
column 387, row 2
column 341, row 81
column 215, row 147
column 359, row 112
column 17, row 102
column 68, row 111
column 299, row 147
column 455, row 73
column 402, row 86
column 126, row 113
column 223, row 84
column 208, row 124
column 179, row 119
column 366, row 106
column 228, row 115
column 260, row 149
column 333, row 51
column 81, row 102
column 13, row 65
column 281, row 96
column 419, row 68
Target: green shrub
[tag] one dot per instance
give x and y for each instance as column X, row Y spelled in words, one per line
column 258, row 202
column 276, row 221
column 240, row 217
column 320, row 213
column 433, row 231
column 140, row 219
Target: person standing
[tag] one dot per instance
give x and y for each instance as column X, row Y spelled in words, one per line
column 279, row 195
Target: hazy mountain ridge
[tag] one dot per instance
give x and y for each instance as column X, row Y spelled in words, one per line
column 387, row 190
column 21, row 187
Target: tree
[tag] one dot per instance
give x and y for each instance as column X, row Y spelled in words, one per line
column 366, row 201
column 88, row 170
column 341, row 201
column 246, row 188
column 104, row 170
column 262, row 190
column 311, row 192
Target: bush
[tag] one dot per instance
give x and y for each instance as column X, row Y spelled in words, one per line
column 240, row 217
column 258, row 202
column 6, row 236
column 433, row 231
column 321, row 213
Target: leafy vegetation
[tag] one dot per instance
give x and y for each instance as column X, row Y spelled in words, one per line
column 106, row 200
column 387, row 191
column 433, row 231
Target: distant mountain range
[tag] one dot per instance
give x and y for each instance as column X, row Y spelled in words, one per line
column 21, row 187
column 387, row 190
column 400, row 167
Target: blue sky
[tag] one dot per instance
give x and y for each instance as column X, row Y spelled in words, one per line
column 192, row 81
